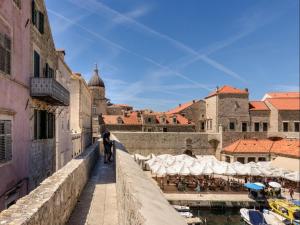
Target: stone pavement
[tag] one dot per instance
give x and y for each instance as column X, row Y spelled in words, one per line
column 97, row 204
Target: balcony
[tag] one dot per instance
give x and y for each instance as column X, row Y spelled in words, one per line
column 50, row 91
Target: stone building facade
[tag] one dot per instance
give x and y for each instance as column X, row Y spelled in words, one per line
column 14, row 100
column 62, row 123
column 118, row 109
column 48, row 95
column 81, row 114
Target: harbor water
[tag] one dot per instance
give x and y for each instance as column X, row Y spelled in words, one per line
column 219, row 216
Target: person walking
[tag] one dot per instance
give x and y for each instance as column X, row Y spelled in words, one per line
column 291, row 190
column 107, row 146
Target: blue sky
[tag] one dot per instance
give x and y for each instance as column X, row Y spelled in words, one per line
column 157, row 54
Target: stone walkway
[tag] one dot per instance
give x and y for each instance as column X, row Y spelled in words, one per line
column 97, row 204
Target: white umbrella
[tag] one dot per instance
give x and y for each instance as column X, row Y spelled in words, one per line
column 207, row 170
column 164, row 156
column 219, row 169
column 184, row 171
column 266, row 172
column 155, row 166
column 161, row 171
column 230, row 171
column 294, row 176
column 274, row 184
column 171, row 170
column 196, row 169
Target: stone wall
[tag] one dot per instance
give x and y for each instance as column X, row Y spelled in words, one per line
column 172, row 143
column 53, row 201
column 140, row 201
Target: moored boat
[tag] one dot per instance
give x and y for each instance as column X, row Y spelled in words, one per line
column 181, row 208
column 274, row 218
column 286, row 209
column 252, row 216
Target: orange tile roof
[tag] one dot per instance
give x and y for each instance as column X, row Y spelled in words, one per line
column 110, row 119
column 283, row 95
column 182, row 107
column 287, row 147
column 258, row 105
column 285, row 103
column 132, row 119
column 226, row 89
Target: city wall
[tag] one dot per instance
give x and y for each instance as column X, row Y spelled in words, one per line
column 53, row 201
column 146, row 143
column 140, row 201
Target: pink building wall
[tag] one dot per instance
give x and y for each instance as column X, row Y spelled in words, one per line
column 14, row 99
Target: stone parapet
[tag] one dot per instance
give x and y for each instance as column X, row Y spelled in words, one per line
column 53, row 201
column 140, row 201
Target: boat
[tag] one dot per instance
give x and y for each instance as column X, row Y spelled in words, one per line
column 181, row 208
column 286, row 209
column 252, row 216
column 274, row 218
column 186, row 214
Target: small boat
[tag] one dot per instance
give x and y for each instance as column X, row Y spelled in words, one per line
column 186, row 214
column 252, row 216
column 274, row 218
column 286, row 209
column 181, row 208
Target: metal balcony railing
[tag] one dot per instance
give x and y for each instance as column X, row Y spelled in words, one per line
column 50, row 91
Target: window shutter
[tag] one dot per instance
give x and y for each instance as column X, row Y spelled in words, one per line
column 33, row 13
column 5, row 141
column 2, row 58
column 7, row 62
column 46, row 73
column 41, row 22
column 36, row 64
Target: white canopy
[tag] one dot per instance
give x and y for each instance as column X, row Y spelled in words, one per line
column 274, row 184
column 184, row 170
column 294, row 176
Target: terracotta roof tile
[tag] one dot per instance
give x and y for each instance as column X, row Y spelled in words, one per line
column 283, row 95
column 287, row 147
column 226, row 89
column 285, row 103
column 258, row 105
column 182, row 107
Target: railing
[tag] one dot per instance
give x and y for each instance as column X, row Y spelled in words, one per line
column 50, row 91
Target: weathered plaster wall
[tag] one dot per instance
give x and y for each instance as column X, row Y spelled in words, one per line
column 163, row 142
column 14, row 96
column 140, row 201
column 53, row 201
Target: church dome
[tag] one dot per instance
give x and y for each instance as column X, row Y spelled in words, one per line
column 96, row 81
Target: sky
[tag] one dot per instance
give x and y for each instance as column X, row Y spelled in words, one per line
column 156, row 54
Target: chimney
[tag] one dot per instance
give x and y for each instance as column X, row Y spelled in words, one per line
column 61, row 53
column 246, row 89
column 194, row 101
column 179, row 105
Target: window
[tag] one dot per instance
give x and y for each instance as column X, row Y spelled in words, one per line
column 94, row 109
column 261, row 159
column 256, row 127
column 36, row 64
column 228, row 159
column 285, row 126
column 265, row 126
column 37, row 18
column 244, row 127
column 165, row 129
column 251, row 159
column 5, row 141
column 48, row 71
column 202, row 125
column 241, row 159
column 149, row 120
column 5, row 52
column 296, row 126
column 44, row 124
column 17, row 3
column 174, row 120
column 210, row 124
column 231, row 126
